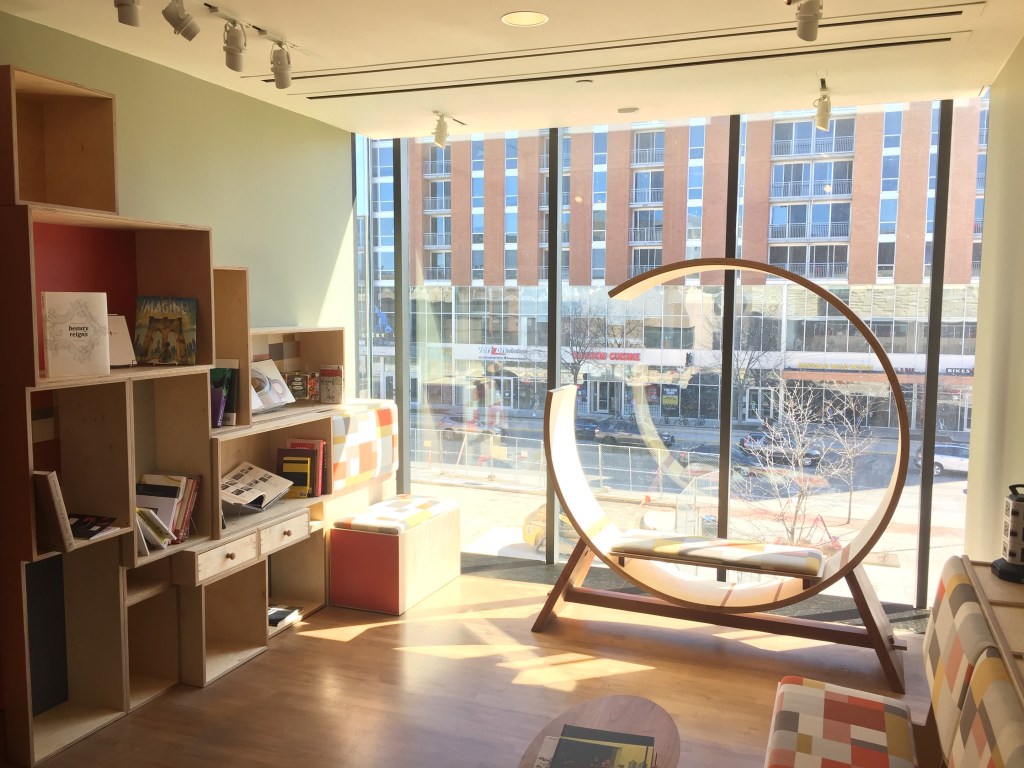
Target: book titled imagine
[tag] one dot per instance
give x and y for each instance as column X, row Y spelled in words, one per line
column 165, row 330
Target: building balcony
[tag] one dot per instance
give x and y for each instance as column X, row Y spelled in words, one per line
column 543, row 199
column 437, row 167
column 975, row 269
column 383, row 274
column 651, row 156
column 977, row 227
column 437, row 273
column 542, row 272
column 790, row 189
column 823, row 145
column 834, row 188
column 837, row 271
column 653, row 196
column 831, row 230
column 437, row 239
column 543, row 237
column 639, row 269
column 544, row 159
column 437, row 204
column 383, row 241
column 643, row 235
column 787, row 231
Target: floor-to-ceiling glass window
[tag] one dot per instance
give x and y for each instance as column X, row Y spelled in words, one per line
column 812, row 421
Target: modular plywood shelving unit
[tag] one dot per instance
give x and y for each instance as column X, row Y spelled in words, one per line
column 90, row 634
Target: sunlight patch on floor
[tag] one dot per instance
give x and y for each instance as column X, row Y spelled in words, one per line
column 564, row 671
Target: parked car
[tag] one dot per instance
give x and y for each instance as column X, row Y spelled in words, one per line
column 455, row 425
column 779, row 449
column 706, row 455
column 949, row 457
column 585, row 426
column 626, row 432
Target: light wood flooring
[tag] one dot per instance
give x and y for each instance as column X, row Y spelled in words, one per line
column 460, row 681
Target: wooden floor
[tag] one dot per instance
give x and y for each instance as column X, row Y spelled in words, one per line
column 460, row 681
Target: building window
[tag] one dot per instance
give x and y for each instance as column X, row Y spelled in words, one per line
column 982, row 168
column 476, row 148
column 511, row 191
column 892, row 130
column 600, row 147
column 438, row 265
column 511, row 228
column 597, row 263
column 888, row 208
column 792, row 138
column 511, row 154
column 833, row 178
column 383, row 158
column 886, row 264
column 648, row 188
column 477, row 224
column 929, row 216
column 477, row 187
column 890, row 173
column 600, row 218
column 646, row 226
column 790, row 180
column 695, row 183
column 696, row 142
column 511, row 263
column 644, row 259
column 929, row 250
column 976, row 259
column 600, row 186
column 694, row 222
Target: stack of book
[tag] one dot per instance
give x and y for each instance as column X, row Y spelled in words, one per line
column 580, row 747
column 164, row 506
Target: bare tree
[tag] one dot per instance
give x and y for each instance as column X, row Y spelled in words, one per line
column 587, row 330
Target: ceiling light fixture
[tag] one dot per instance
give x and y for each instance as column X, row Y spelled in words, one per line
column 128, row 12
column 823, row 104
column 808, row 14
column 440, row 131
column 524, row 19
column 281, row 66
column 181, row 19
column 234, row 46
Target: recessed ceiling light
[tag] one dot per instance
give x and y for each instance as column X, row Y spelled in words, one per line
column 584, row 81
column 524, row 19
column 628, row 110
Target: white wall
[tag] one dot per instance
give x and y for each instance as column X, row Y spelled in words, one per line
column 275, row 187
column 997, row 434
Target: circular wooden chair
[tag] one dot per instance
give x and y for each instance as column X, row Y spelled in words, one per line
column 651, row 561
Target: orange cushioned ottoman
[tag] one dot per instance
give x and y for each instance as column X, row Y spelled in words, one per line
column 396, row 553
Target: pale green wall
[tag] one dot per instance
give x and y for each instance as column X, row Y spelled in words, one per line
column 275, row 187
column 997, row 447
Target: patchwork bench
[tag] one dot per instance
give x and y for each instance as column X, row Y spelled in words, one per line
column 975, row 719
column 394, row 554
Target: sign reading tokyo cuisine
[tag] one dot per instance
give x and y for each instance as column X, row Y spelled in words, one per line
column 498, row 352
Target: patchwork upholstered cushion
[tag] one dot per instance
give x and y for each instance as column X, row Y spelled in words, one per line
column 819, row 725
column 739, row 555
column 365, row 442
column 956, row 636
column 991, row 729
column 397, row 514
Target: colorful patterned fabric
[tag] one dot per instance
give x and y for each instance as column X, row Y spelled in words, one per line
column 365, row 442
column 956, row 636
column 819, row 725
column 738, row 555
column 397, row 514
column 991, row 729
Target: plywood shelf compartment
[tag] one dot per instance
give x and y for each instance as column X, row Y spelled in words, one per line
column 296, row 576
column 135, row 373
column 147, row 581
column 57, row 140
column 65, row 724
column 152, row 646
column 239, row 522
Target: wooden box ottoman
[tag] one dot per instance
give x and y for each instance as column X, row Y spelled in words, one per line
column 394, row 554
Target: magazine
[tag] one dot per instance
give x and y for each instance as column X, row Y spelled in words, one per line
column 248, row 487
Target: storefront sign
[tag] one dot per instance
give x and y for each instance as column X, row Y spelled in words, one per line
column 959, row 371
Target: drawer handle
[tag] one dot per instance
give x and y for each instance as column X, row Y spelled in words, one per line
column 286, row 533
column 230, row 555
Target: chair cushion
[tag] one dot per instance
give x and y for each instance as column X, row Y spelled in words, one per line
column 955, row 638
column 991, row 729
column 819, row 725
column 397, row 514
column 738, row 555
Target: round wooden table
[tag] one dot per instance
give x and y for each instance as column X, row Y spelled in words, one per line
column 625, row 714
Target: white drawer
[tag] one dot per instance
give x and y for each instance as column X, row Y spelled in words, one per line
column 195, row 568
column 285, row 533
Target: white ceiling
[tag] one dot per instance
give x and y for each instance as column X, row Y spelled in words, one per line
column 385, row 66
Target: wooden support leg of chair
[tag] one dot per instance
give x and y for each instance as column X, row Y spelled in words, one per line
column 572, row 576
column 876, row 622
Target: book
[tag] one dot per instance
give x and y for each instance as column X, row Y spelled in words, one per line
column 282, row 614
column 332, row 384
column 546, row 752
column 230, row 417
column 187, row 489
column 183, row 528
column 122, row 349
column 92, row 526
column 53, row 529
column 165, row 330
column 322, row 479
column 156, row 533
column 220, row 385
column 75, row 334
column 579, row 746
column 162, row 498
column 248, row 487
column 301, row 466
column 141, row 547
column 269, row 386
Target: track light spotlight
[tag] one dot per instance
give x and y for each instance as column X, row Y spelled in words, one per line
column 440, row 131
column 823, row 105
column 234, row 46
column 808, row 14
column 128, row 12
column 181, row 19
column 281, row 66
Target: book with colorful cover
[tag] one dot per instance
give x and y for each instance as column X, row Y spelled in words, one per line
column 300, row 466
column 165, row 330
column 321, row 480
column 75, row 334
column 92, row 526
column 271, row 390
column 579, row 746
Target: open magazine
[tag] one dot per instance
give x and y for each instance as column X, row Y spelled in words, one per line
column 248, row 487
